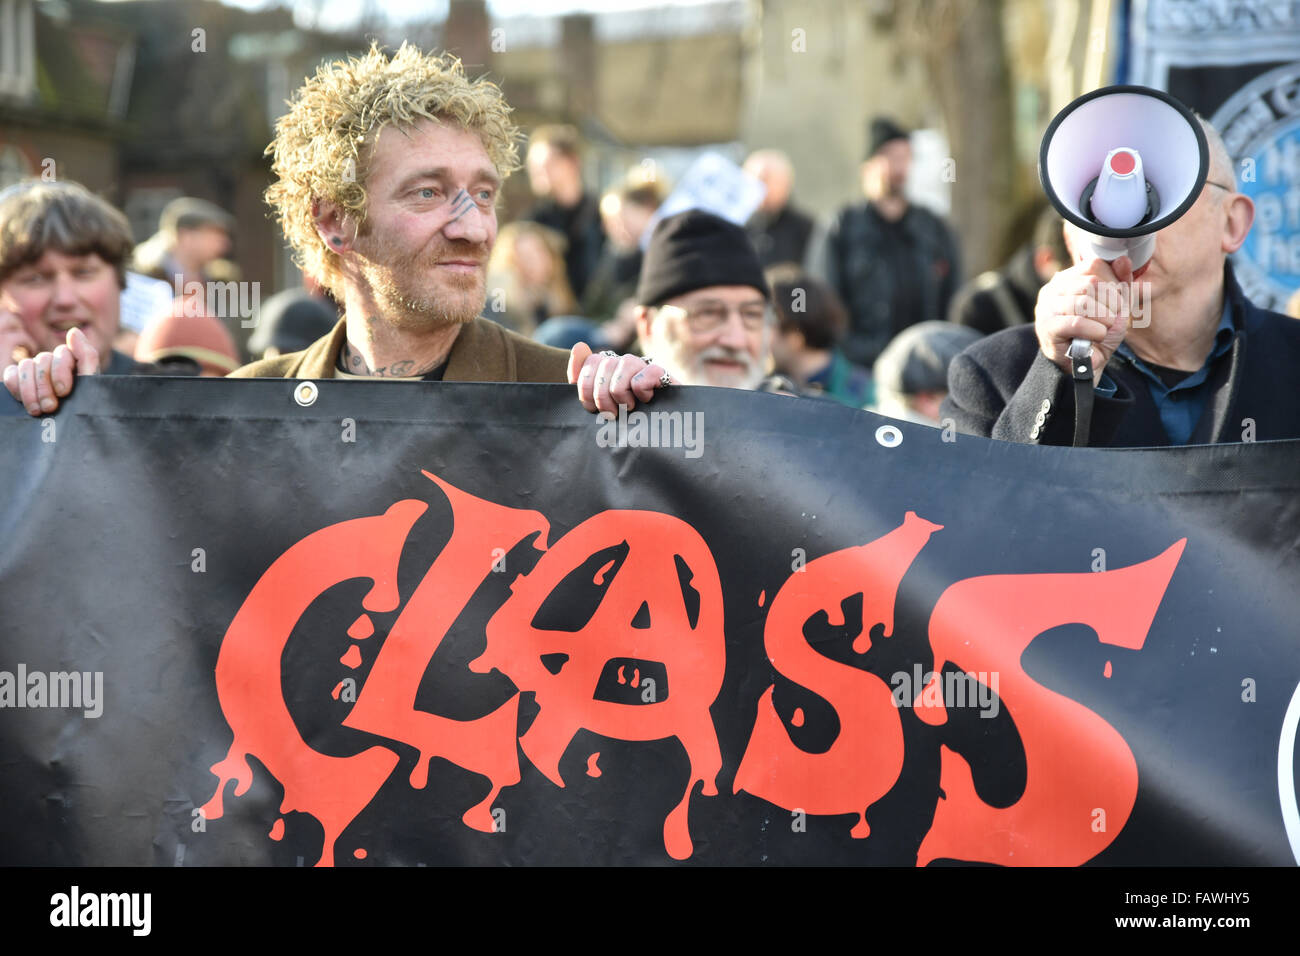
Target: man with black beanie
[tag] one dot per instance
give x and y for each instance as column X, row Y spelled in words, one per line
column 703, row 303
column 893, row 263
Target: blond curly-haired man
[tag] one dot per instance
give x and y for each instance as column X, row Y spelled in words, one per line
column 388, row 174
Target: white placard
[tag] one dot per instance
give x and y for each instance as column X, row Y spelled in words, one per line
column 715, row 184
column 144, row 299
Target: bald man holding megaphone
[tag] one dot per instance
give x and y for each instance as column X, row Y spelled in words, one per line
column 1147, row 339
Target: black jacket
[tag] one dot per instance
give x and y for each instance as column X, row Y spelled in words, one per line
column 852, row 257
column 581, row 227
column 780, row 238
column 612, row 282
column 994, row 301
column 1003, row 387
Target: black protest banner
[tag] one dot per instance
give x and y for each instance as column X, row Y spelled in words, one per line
column 1238, row 65
column 424, row 623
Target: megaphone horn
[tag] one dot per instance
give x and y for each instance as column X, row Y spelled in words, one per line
column 1121, row 163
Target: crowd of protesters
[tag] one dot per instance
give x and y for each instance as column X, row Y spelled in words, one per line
column 867, row 309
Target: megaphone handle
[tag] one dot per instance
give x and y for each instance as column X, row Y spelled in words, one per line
column 1080, row 355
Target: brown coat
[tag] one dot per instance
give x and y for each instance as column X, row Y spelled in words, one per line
column 482, row 352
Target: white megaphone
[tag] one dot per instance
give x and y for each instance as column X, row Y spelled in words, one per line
column 1121, row 163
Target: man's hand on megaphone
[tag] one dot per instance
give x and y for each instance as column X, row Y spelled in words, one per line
column 1091, row 300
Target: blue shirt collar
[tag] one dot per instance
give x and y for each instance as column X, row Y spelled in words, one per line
column 1223, row 338
column 1225, row 333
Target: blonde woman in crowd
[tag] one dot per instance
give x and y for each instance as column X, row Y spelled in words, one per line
column 526, row 279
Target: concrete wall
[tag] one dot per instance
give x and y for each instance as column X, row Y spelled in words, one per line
column 822, row 70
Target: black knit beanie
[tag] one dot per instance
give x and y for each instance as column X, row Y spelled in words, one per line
column 695, row 250
column 883, row 130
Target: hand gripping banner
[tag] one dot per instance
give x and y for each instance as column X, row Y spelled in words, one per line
column 473, row 624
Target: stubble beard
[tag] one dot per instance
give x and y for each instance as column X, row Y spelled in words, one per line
column 690, row 367
column 412, row 293
column 892, row 189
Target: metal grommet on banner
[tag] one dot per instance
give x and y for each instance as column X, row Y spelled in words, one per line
column 889, row 436
column 305, row 393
